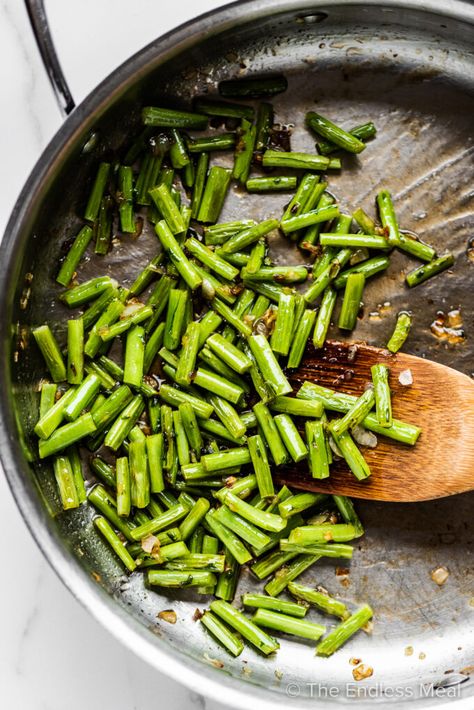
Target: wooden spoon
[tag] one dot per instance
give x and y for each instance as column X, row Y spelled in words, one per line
column 440, row 401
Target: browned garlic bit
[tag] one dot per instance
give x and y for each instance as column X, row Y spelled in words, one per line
column 148, row 543
column 449, row 327
column 439, row 575
column 325, row 516
column 405, row 378
column 266, row 324
column 213, row 661
column 131, row 308
column 342, row 573
column 409, row 651
column 151, row 545
column 364, row 437
column 168, row 615
column 362, row 672
column 198, row 614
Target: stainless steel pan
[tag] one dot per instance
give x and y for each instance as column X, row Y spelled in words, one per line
column 408, row 66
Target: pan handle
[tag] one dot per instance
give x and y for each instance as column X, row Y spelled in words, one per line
column 44, row 40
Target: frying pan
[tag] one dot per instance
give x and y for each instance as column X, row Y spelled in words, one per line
column 408, row 66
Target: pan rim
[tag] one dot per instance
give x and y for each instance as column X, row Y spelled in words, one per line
column 99, row 604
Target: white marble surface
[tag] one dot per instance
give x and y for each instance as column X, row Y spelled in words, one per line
column 44, row 631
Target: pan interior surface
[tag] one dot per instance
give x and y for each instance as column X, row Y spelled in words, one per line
column 411, row 73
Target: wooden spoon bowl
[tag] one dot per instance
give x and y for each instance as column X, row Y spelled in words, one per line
column 440, row 401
